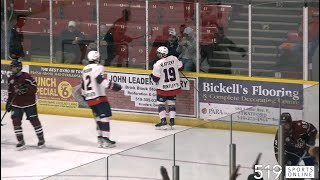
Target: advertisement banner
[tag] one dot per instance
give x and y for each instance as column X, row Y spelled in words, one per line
column 55, row 85
column 5, row 74
column 255, row 101
column 139, row 94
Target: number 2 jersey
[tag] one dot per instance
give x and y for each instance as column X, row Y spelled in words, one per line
column 301, row 134
column 166, row 74
column 93, row 85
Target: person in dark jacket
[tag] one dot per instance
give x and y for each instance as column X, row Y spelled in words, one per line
column 16, row 39
column 68, row 50
column 106, row 46
column 171, row 44
column 218, row 57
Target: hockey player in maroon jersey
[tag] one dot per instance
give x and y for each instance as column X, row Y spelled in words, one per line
column 22, row 99
column 299, row 136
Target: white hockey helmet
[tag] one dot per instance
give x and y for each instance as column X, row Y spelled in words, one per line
column 163, row 50
column 93, row 56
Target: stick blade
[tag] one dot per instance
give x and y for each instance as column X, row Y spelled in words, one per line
column 257, row 160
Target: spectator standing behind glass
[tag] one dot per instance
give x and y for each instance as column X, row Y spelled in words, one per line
column 121, row 40
column 181, row 29
column 171, row 44
column 68, row 49
column 106, row 46
column 2, row 40
column 187, row 48
column 222, row 43
column 16, row 39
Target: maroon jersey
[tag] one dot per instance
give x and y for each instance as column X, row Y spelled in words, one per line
column 23, row 100
column 298, row 137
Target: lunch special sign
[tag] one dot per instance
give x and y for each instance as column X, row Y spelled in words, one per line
column 248, row 101
column 55, row 84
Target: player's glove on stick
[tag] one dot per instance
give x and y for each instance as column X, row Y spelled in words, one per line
column 8, row 106
column 116, row 87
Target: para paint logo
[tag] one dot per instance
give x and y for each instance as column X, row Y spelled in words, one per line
column 64, row 89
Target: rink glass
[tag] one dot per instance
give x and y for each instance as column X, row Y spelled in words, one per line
column 276, row 32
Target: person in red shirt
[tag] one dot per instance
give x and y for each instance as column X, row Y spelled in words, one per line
column 22, row 99
column 121, row 40
column 299, row 136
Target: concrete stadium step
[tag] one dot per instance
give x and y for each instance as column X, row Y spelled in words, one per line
column 259, row 57
column 245, row 62
column 258, row 32
column 244, row 71
column 261, row 24
column 257, row 48
column 256, row 40
column 276, row 3
column 272, row 17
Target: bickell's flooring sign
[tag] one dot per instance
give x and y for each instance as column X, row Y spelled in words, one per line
column 248, row 101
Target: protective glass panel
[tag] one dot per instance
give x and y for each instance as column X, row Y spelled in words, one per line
column 313, row 38
column 125, row 22
column 172, row 23
column 96, row 170
column 277, row 39
column 28, row 26
column 143, row 161
column 224, row 37
column 73, row 31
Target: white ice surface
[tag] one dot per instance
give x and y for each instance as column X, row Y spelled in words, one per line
column 202, row 154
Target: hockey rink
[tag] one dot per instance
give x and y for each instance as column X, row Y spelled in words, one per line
column 71, row 142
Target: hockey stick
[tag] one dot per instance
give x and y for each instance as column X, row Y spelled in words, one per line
column 302, row 157
column 7, row 111
column 164, row 173
column 194, row 86
column 189, row 82
column 257, row 161
column 3, row 117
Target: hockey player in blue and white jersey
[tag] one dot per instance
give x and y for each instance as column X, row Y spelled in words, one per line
column 166, row 75
column 93, row 90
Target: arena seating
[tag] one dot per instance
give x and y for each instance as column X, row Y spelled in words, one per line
column 164, row 14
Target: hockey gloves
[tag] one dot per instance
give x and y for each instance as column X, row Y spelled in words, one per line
column 8, row 106
column 21, row 89
column 116, row 87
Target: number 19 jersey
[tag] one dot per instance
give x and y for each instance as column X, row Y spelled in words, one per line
column 94, row 84
column 167, row 69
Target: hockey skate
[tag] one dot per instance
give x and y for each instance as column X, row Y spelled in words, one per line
column 21, row 145
column 171, row 123
column 104, row 142
column 162, row 124
column 41, row 144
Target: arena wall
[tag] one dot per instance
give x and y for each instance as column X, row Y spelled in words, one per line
column 208, row 100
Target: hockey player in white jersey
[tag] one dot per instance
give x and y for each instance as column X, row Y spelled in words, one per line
column 93, row 90
column 166, row 75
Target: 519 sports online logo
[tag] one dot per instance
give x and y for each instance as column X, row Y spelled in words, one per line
column 274, row 172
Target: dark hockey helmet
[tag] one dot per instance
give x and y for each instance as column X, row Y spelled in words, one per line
column 285, row 118
column 16, row 66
